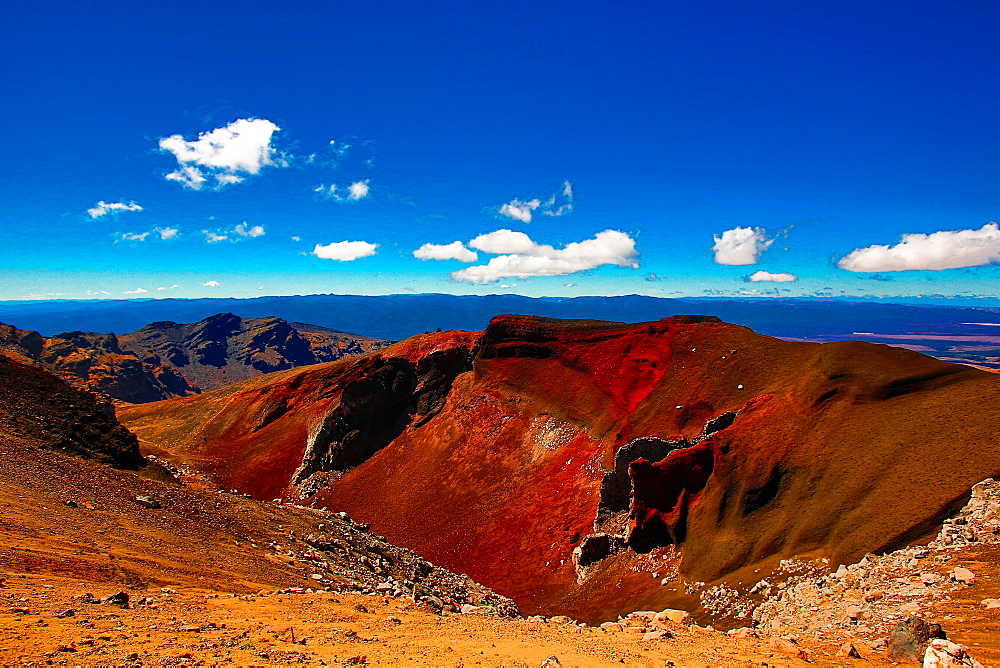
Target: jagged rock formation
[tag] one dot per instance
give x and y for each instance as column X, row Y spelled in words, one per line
column 166, row 359
column 655, row 457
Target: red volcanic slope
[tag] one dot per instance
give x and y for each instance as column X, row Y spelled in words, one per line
column 497, row 453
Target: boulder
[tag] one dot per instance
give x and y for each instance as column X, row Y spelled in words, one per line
column 946, row 654
column 911, row 637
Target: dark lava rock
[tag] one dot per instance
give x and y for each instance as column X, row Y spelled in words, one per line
column 910, row 639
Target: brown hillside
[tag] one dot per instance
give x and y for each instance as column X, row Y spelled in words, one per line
column 686, row 443
column 166, row 359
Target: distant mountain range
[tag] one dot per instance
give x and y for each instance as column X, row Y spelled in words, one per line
column 165, row 359
column 963, row 333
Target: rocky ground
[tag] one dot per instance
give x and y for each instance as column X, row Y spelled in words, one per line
column 217, row 578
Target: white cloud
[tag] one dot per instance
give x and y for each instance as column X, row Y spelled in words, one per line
column 502, row 242
column 170, row 287
column 453, row 251
column 740, row 245
column 167, row 232
column 354, row 192
column 296, row 238
column 134, row 236
column 212, row 284
column 558, row 204
column 137, row 291
column 936, row 251
column 345, row 251
column 227, row 154
column 103, row 208
column 780, row 277
column 358, row 190
column 519, row 210
column 243, row 231
column 524, row 258
column 213, row 237
column 189, row 176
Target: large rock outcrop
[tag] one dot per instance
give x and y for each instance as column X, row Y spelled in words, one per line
column 686, row 449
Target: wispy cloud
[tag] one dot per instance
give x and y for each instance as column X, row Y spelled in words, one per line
column 520, row 257
column 103, row 208
column 345, row 251
column 936, row 251
column 137, row 291
column 169, row 287
column 167, row 233
column 226, row 154
column 766, row 276
column 453, row 251
column 519, row 210
column 244, row 231
column 558, row 204
column 214, row 237
column 741, row 245
column 133, row 236
column 356, row 191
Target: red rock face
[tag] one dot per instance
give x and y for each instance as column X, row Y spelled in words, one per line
column 498, row 453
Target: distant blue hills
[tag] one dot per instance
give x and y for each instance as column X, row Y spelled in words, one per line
column 396, row 317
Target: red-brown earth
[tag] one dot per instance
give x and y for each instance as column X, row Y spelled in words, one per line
column 487, row 452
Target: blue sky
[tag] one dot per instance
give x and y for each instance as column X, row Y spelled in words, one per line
column 670, row 149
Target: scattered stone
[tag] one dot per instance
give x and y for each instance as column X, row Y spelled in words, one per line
column 854, row 612
column 848, row 651
column 611, row 627
column 66, row 648
column 551, row 662
column 148, row 502
column 786, row 647
column 120, row 599
column 661, row 634
column 963, row 575
column 71, row 503
column 910, row 639
column 990, row 603
column 69, row 612
column 744, row 632
column 946, row 654
column 675, row 616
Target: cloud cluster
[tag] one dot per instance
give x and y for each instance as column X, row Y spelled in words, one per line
column 226, row 154
column 352, row 193
column 344, row 251
column 740, row 245
column 453, row 251
column 558, row 204
column 936, row 251
column 518, row 256
column 241, row 230
column 766, row 276
column 244, row 231
column 212, row 284
column 103, row 208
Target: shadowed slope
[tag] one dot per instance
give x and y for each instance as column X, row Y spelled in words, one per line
column 491, row 450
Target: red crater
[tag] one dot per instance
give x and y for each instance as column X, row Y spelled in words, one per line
column 498, row 453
